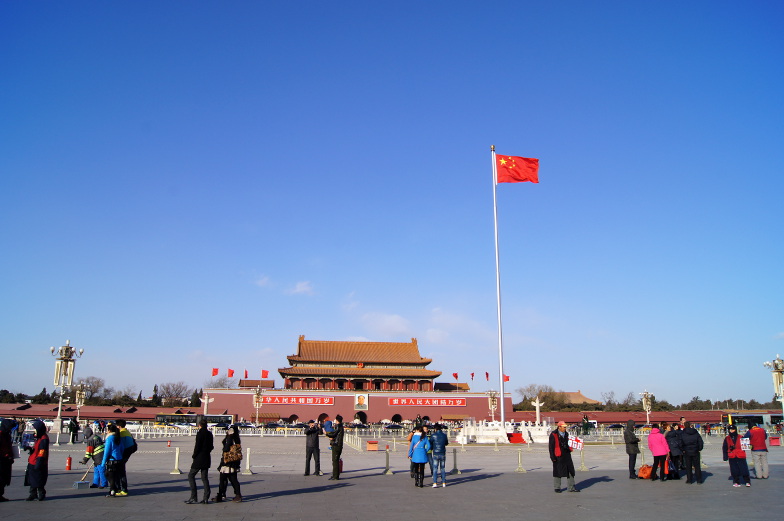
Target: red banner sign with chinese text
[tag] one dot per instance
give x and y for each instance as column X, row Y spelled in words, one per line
column 439, row 402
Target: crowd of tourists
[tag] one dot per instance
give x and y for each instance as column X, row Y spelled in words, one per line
column 675, row 448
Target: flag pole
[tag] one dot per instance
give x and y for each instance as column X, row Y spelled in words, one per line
column 498, row 293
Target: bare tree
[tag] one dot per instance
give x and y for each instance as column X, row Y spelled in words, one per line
column 631, row 399
column 609, row 399
column 221, row 382
column 534, row 391
column 174, row 392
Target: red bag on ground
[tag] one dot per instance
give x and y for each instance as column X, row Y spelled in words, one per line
column 645, row 472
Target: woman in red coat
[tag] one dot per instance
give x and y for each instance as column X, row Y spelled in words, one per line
column 732, row 451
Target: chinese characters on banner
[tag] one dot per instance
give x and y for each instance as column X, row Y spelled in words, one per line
column 441, row 402
column 575, row 442
column 299, row 400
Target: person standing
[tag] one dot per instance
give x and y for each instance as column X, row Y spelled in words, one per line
column 632, row 447
column 312, row 432
column 426, row 431
column 6, row 455
column 229, row 467
column 561, row 456
column 38, row 463
column 731, row 450
column 692, row 446
column 674, row 441
column 94, row 451
column 128, row 447
column 336, row 442
column 88, row 433
column 73, row 428
column 113, row 459
column 201, row 463
column 759, row 450
column 438, row 443
column 417, row 453
column 658, row 446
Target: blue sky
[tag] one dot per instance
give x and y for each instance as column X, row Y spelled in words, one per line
column 188, row 185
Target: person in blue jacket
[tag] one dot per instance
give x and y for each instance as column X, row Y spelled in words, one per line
column 417, row 453
column 438, row 442
column 113, row 459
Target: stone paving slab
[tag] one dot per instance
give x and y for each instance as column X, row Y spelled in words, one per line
column 487, row 486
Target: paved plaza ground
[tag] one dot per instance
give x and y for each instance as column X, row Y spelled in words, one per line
column 487, row 487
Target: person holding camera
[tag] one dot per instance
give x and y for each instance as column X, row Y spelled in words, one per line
column 312, row 432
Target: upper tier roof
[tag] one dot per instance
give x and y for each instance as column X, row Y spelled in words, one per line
column 358, row 352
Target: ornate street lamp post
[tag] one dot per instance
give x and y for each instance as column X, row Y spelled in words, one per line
column 646, row 405
column 258, row 398
column 63, row 377
column 492, row 399
column 777, row 370
column 80, row 395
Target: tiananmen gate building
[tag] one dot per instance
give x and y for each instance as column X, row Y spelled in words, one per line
column 365, row 381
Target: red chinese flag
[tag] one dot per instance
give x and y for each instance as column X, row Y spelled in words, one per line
column 246, row 374
column 231, row 373
column 264, row 373
column 512, row 169
column 214, row 371
column 472, row 376
column 506, row 378
column 487, row 376
column 455, row 375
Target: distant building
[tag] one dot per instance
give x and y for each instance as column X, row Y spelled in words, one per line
column 573, row 397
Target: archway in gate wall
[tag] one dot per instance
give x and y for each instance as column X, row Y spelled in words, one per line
column 293, row 418
column 361, row 416
column 323, row 417
column 396, row 418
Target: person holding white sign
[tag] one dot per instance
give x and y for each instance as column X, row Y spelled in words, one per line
column 733, row 451
column 561, row 456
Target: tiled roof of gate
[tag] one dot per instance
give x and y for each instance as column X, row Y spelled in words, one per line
column 357, row 372
column 359, row 352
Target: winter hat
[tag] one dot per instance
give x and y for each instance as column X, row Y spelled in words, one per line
column 6, row 425
column 39, row 426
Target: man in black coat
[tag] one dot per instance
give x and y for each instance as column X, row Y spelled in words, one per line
column 692, row 445
column 201, row 463
column 312, row 447
column 336, row 442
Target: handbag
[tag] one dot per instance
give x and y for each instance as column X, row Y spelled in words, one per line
column 645, row 472
column 234, row 454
